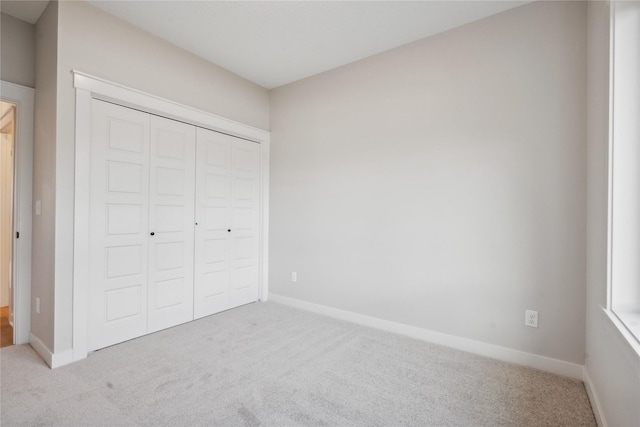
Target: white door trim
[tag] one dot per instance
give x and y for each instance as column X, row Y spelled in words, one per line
column 89, row 87
column 23, row 97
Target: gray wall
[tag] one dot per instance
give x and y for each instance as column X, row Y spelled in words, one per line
column 610, row 362
column 94, row 42
column 44, row 170
column 18, row 46
column 443, row 184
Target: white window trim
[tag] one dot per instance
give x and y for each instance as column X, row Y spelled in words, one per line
column 633, row 341
column 90, row 87
column 622, row 329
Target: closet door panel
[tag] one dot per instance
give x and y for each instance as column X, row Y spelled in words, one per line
column 213, row 211
column 118, row 225
column 171, row 220
column 245, row 237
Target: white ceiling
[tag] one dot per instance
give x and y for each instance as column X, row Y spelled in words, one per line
column 273, row 43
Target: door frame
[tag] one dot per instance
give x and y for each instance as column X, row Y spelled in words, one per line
column 23, row 97
column 89, row 87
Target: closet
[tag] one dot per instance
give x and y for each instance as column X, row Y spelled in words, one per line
column 173, row 223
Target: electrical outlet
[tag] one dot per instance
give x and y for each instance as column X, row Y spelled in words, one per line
column 37, row 305
column 294, row 277
column 531, row 318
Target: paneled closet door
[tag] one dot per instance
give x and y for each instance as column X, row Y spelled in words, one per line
column 213, row 229
column 118, row 224
column 227, row 235
column 171, row 223
column 245, row 236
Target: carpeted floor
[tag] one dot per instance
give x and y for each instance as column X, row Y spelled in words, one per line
column 268, row 364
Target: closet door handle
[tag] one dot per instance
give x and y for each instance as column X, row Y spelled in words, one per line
column 153, row 234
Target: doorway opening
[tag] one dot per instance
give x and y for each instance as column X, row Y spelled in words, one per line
column 16, row 179
column 7, row 167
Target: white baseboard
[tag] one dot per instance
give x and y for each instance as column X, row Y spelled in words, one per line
column 593, row 398
column 543, row 363
column 54, row 360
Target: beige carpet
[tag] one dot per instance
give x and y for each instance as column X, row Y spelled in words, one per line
column 267, row 364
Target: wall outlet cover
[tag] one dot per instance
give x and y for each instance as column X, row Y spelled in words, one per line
column 531, row 318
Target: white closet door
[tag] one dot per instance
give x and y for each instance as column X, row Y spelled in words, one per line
column 245, row 236
column 118, row 236
column 213, row 229
column 227, row 234
column 171, row 223
column 149, row 269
